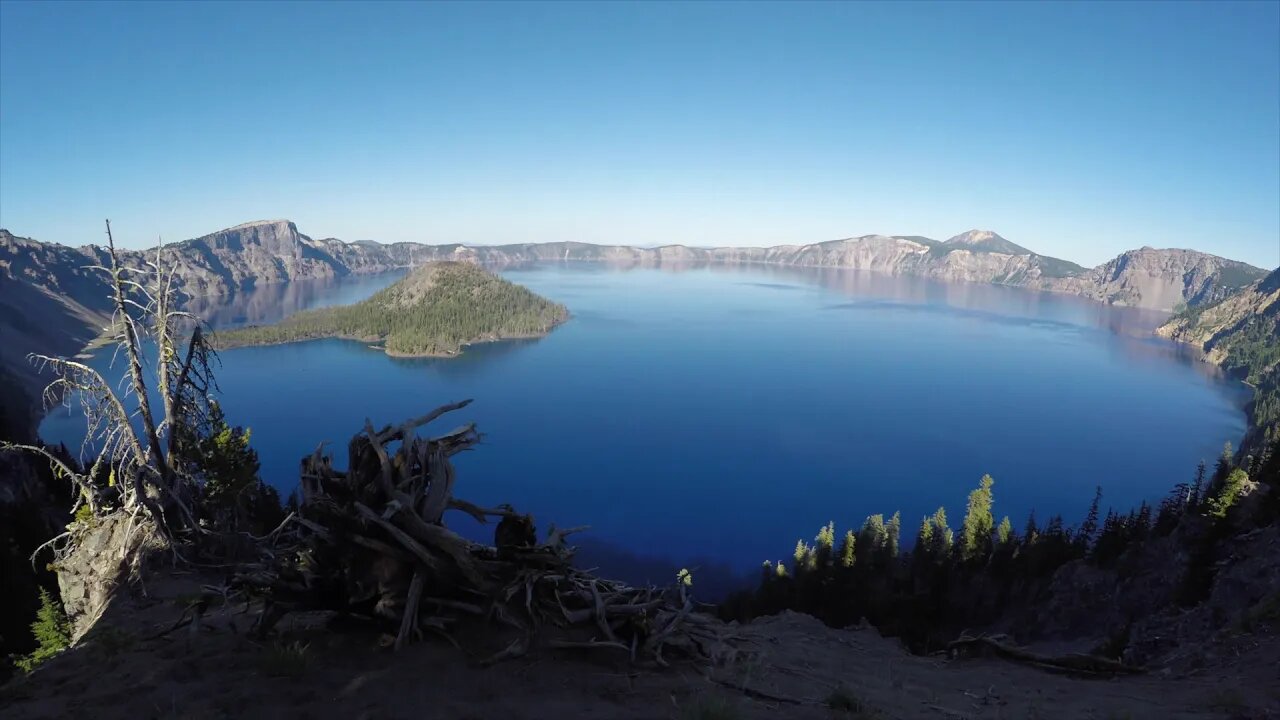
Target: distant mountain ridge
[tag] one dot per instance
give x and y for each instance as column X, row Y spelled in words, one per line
column 275, row 251
column 53, row 304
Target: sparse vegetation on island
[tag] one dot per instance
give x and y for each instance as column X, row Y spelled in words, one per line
column 435, row 311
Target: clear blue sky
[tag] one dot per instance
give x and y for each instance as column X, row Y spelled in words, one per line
column 1078, row 130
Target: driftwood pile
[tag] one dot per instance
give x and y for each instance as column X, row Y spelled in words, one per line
column 372, row 541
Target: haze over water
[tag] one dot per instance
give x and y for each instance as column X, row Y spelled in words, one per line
column 722, row 413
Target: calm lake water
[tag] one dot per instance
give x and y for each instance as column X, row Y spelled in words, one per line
column 718, row 414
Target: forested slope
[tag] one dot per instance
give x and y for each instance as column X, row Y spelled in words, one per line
column 1242, row 334
column 436, row 310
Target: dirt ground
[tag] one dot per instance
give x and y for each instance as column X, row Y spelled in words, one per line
column 791, row 667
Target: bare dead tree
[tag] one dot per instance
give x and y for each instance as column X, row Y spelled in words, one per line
column 133, row 443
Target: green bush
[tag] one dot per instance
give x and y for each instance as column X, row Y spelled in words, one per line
column 286, row 659
column 51, row 629
column 1229, row 494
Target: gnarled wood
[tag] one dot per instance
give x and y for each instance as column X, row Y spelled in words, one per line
column 375, row 541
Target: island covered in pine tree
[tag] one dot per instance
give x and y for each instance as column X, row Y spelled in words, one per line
column 433, row 312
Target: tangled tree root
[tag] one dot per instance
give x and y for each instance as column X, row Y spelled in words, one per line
column 371, row 540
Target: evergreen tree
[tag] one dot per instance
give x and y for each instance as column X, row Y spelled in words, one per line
column 1269, row 475
column 894, row 532
column 1030, row 532
column 1110, row 541
column 1142, row 524
column 924, row 536
column 824, row 545
column 1221, row 470
column 1004, row 532
column 801, row 555
column 1232, row 487
column 1171, row 510
column 975, row 531
column 1085, row 536
column 225, row 468
column 847, row 549
column 872, row 540
column 1197, row 489
column 941, row 537
column 51, row 629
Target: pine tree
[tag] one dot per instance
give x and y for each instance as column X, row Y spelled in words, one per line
column 1110, row 541
column 51, row 629
column 924, row 536
column 1197, row 489
column 847, row 549
column 824, row 545
column 1089, row 528
column 1171, row 510
column 871, row 540
column 1004, row 532
column 1030, row 532
column 1221, row 469
column 975, row 531
column 941, row 536
column 1232, row 487
column 225, row 467
column 1142, row 523
column 801, row 555
column 894, row 532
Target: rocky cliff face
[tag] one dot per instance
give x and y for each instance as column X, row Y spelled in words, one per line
column 271, row 252
column 1214, row 328
column 274, row 251
column 1242, row 334
column 1161, row 279
column 53, row 302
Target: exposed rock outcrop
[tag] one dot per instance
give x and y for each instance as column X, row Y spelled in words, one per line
column 274, row 251
column 1214, row 328
column 1162, row 279
column 1241, row 333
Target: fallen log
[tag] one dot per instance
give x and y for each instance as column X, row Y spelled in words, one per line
column 1072, row 663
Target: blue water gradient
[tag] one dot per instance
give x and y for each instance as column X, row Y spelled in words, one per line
column 722, row 413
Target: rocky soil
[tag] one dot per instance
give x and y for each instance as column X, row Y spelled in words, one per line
column 791, row 667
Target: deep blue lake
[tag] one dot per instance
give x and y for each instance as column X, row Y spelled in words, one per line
column 722, row 413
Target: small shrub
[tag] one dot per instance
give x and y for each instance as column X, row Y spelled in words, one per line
column 286, row 659
column 842, row 700
column 52, row 631
column 84, row 516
